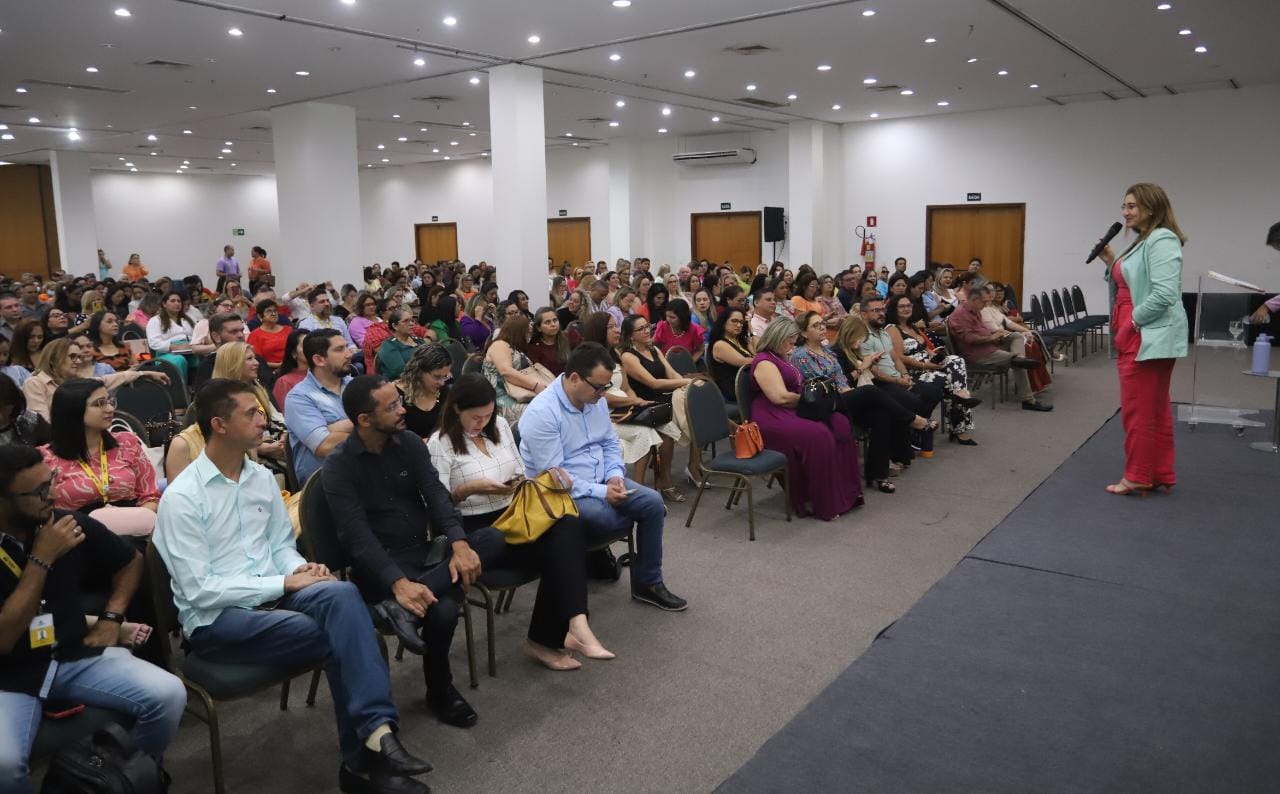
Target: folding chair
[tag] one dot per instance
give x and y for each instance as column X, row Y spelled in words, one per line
column 681, row 361
column 149, row 402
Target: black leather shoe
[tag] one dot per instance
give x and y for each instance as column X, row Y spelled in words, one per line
column 659, row 596
column 968, row 402
column 401, row 621
column 353, row 782
column 394, row 760
column 1022, row 362
column 1030, row 406
column 451, row 708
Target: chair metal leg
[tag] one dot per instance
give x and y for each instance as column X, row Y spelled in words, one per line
column 471, row 643
column 786, row 492
column 751, row 510
column 215, row 739
column 399, row 651
column 702, row 486
column 488, row 627
column 284, row 696
column 382, row 649
column 315, row 679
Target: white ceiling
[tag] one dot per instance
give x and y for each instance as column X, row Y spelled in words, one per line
column 362, row 54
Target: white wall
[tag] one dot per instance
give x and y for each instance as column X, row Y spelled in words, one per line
column 1215, row 153
column 179, row 223
column 392, row 200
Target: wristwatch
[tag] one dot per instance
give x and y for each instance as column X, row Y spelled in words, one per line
column 114, row 617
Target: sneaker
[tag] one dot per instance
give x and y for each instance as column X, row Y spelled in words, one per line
column 659, row 596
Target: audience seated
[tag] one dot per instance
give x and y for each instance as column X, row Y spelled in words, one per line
column 997, row 318
column 226, row 539
column 549, row 345
column 48, row 652
column 313, row 410
column 980, row 345
column 10, row 314
column 28, row 341
column 18, row 425
column 731, row 345
column 822, row 457
column 423, row 385
column 169, row 334
column 364, row 313
column 104, row 335
column 60, row 361
column 396, row 351
column 224, row 328
column 927, row 362
column 674, row 327
column 292, row 370
column 568, row 426
column 16, row 373
column 505, row 363
column 270, row 340
column 56, row 323
column 889, row 371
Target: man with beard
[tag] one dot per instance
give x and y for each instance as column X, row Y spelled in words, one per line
column 49, row 658
column 890, row 371
column 321, row 318
column 313, row 410
column 387, row 500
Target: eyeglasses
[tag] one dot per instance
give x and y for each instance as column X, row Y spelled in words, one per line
column 640, row 329
column 103, row 402
column 42, row 491
column 598, row 389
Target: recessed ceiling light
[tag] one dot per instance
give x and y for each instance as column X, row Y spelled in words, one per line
column 466, row 124
column 20, row 90
column 303, row 73
column 419, row 61
column 824, row 67
column 226, row 151
column 184, row 162
column 228, row 143
column 474, row 81
column 127, row 165
column 568, row 135
column 1164, row 6
column 715, row 118
column 447, row 157
column 613, row 124
column 689, row 73
column 751, row 86
column 793, row 97
column 402, row 139
column 192, row 107
column 484, row 154
column 91, row 69
column 471, row 135
column 5, row 162
column 151, row 137
column 395, row 115
column 178, row 171
column 220, row 157
column 271, row 90
column 1185, row 32
column 621, row 103
column 944, row 103
column 535, row 38
column 869, row 81
column 134, row 170
column 8, row 136
column 1034, row 85
column 453, row 143
column 666, row 111
column 662, row 130
column 621, row 3
column 422, row 129
column 875, row 115
column 233, row 165
column 906, row 92
column 153, row 154
column 931, row 40
column 435, row 151
column 615, row 57
column 450, row 21
column 186, row 132
column 235, row 32
column 123, row 12
column 835, row 107
column 121, row 159
column 972, row 60
column 575, row 143
column 36, row 120
column 1202, row 49
column 382, row 146
column 349, row 2
column 386, row 159
column 1003, row 72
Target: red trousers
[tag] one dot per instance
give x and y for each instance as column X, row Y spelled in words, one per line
column 1145, row 411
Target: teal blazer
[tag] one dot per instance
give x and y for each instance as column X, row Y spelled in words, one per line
column 1153, row 270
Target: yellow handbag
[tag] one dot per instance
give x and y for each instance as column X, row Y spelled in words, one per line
column 537, row 504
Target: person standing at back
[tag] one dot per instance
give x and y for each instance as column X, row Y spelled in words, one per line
column 227, row 268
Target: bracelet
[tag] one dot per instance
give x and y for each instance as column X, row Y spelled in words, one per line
column 114, row 617
column 33, row 558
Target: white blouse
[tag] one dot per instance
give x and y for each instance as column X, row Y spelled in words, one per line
column 501, row 464
column 160, row 341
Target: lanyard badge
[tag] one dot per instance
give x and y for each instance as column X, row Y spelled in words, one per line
column 41, row 631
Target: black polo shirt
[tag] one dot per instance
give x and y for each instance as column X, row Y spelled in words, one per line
column 87, row 566
column 387, row 507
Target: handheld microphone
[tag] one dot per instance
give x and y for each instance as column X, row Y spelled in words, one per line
column 1106, row 238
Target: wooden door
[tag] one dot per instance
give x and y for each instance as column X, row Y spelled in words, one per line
column 436, row 242
column 28, row 231
column 992, row 232
column 569, row 240
column 732, row 237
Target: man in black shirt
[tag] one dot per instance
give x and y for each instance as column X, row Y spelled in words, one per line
column 48, row 656
column 388, row 501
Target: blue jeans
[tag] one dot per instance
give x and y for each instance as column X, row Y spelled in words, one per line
column 645, row 509
column 118, row 681
column 326, row 621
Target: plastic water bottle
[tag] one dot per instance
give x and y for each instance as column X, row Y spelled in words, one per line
column 1261, row 354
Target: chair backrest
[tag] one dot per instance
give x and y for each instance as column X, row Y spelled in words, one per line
column 1058, row 311
column 166, row 612
column 681, row 360
column 474, row 363
column 1077, row 297
column 1068, row 306
column 319, row 532
column 745, row 391
column 574, row 327
column 708, row 419
column 149, row 402
column 455, row 349
column 127, row 421
column 1034, row 315
column 1046, row 308
column 132, row 331
column 290, row 470
column 177, row 388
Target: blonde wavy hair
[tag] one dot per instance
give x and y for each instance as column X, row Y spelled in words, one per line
column 853, row 329
column 228, row 363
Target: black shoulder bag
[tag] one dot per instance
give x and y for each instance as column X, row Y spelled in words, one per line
column 108, row 762
column 819, row 398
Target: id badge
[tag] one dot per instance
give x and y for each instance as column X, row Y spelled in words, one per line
column 42, row 631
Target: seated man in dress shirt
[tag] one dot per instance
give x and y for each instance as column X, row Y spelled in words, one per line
column 245, row 595
column 49, row 659
column 567, row 425
column 388, row 501
column 313, row 410
column 980, row 345
column 321, row 316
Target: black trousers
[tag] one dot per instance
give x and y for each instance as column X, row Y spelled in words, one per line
column 559, row 559
column 887, row 422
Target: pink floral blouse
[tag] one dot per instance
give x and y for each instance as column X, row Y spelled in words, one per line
column 132, row 477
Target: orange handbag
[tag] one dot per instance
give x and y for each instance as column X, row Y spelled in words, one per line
column 747, row 441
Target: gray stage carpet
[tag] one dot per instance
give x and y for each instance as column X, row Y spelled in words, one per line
column 1088, row 643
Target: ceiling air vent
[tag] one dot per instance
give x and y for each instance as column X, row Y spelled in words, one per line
column 434, row 100
column 761, row 103
column 160, row 63
column 258, row 128
column 884, row 89
column 749, row 49
column 720, row 157
column 10, row 107
column 77, row 86
column 595, row 120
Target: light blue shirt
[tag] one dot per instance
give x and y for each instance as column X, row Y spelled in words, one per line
column 308, row 411
column 554, row 433
column 314, row 323
column 225, row 543
column 930, row 301
column 882, row 287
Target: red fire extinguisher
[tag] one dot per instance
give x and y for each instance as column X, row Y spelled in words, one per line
column 868, row 248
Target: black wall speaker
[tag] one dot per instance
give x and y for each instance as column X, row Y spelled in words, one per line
column 773, row 228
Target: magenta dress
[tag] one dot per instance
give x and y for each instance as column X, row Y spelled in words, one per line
column 822, row 457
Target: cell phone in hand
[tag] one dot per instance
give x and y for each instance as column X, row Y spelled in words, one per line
column 628, row 491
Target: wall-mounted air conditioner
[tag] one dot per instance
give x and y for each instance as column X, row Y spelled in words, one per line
column 722, row 157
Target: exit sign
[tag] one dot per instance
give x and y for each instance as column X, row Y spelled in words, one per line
column 973, row 197
column 724, row 205
column 563, row 213
column 435, row 218
column 237, row 232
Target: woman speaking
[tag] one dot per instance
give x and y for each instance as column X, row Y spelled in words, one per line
column 1150, row 329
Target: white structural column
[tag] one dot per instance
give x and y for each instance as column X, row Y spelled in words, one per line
column 73, row 209
column 626, row 229
column 814, row 196
column 518, row 136
column 318, row 195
